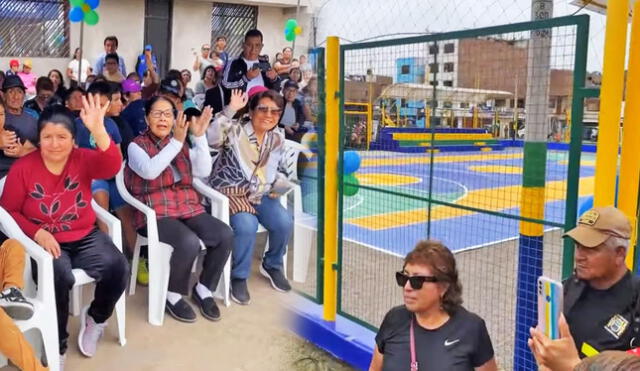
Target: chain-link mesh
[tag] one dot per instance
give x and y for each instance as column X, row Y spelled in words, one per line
column 443, row 164
column 34, row 28
column 369, row 20
column 233, row 21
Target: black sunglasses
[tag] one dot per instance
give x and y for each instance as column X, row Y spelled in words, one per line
column 415, row 281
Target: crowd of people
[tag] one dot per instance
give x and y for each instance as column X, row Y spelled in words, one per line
column 62, row 146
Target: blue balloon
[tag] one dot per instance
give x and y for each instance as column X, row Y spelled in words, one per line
column 92, row 3
column 76, row 14
column 585, row 206
column 351, row 162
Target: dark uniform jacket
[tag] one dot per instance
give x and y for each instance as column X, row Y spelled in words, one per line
column 602, row 320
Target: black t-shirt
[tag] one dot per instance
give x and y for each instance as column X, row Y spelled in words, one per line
column 602, row 318
column 462, row 343
column 126, row 133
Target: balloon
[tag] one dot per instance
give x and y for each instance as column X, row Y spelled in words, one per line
column 351, row 162
column 297, row 30
column 76, row 14
column 351, row 185
column 289, row 36
column 291, row 23
column 75, row 3
column 91, row 17
column 92, row 3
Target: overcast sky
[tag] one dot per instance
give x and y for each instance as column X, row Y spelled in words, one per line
column 356, row 20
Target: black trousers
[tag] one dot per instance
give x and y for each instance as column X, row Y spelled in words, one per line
column 184, row 235
column 101, row 260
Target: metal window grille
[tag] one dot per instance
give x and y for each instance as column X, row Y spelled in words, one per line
column 34, row 28
column 233, row 21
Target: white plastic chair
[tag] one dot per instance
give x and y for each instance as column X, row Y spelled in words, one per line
column 159, row 253
column 12, row 230
column 42, row 296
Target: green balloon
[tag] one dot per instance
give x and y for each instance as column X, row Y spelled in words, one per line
column 351, row 185
column 76, row 2
column 290, row 36
column 91, row 17
column 291, row 23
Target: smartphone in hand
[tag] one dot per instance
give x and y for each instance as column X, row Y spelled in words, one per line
column 549, row 306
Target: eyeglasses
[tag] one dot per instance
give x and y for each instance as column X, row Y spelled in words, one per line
column 266, row 109
column 157, row 114
column 415, row 281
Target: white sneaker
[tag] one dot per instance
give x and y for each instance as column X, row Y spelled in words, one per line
column 63, row 358
column 90, row 334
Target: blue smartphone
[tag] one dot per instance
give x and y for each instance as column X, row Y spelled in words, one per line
column 549, row 306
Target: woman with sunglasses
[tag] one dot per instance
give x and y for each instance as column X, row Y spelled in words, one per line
column 159, row 173
column 432, row 331
column 246, row 171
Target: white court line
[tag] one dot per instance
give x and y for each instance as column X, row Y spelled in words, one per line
column 379, row 249
column 475, row 247
column 358, row 202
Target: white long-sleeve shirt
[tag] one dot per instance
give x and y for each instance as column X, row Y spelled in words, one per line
column 151, row 167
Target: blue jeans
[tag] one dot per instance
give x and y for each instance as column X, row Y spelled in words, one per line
column 278, row 223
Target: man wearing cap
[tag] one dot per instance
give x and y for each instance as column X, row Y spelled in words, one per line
column 20, row 126
column 14, row 65
column 145, row 59
column 601, row 297
column 28, row 78
column 133, row 114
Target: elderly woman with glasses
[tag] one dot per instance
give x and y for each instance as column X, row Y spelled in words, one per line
column 246, row 171
column 432, row 331
column 162, row 164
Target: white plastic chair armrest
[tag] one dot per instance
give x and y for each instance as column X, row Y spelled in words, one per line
column 149, row 213
column 113, row 224
column 43, row 259
column 219, row 202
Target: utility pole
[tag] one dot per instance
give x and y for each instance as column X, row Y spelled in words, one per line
column 533, row 182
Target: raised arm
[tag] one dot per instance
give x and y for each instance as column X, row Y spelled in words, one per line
column 199, row 155
column 217, row 131
column 104, row 162
column 151, row 167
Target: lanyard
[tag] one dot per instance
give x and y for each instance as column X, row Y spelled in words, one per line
column 412, row 345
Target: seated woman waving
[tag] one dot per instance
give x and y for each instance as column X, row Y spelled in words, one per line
column 48, row 193
column 160, row 174
column 432, row 330
column 246, row 171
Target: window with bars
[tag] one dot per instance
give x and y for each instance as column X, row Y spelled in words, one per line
column 232, row 21
column 34, row 28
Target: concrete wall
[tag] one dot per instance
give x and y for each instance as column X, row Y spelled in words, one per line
column 271, row 22
column 124, row 19
column 191, row 29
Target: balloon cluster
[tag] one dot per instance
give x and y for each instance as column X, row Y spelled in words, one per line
column 291, row 29
column 350, row 164
column 84, row 10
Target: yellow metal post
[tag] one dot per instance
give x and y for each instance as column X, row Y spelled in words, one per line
column 332, row 142
column 611, row 102
column 630, row 161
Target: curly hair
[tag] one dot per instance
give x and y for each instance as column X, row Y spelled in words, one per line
column 442, row 264
column 610, row 361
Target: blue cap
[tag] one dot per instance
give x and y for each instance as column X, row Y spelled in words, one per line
column 148, row 47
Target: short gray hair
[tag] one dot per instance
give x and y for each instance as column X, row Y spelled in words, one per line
column 614, row 242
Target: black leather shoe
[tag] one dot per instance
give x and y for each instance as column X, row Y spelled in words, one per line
column 181, row 311
column 208, row 307
column 240, row 292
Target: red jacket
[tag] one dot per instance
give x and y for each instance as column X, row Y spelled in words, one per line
column 164, row 195
column 59, row 204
